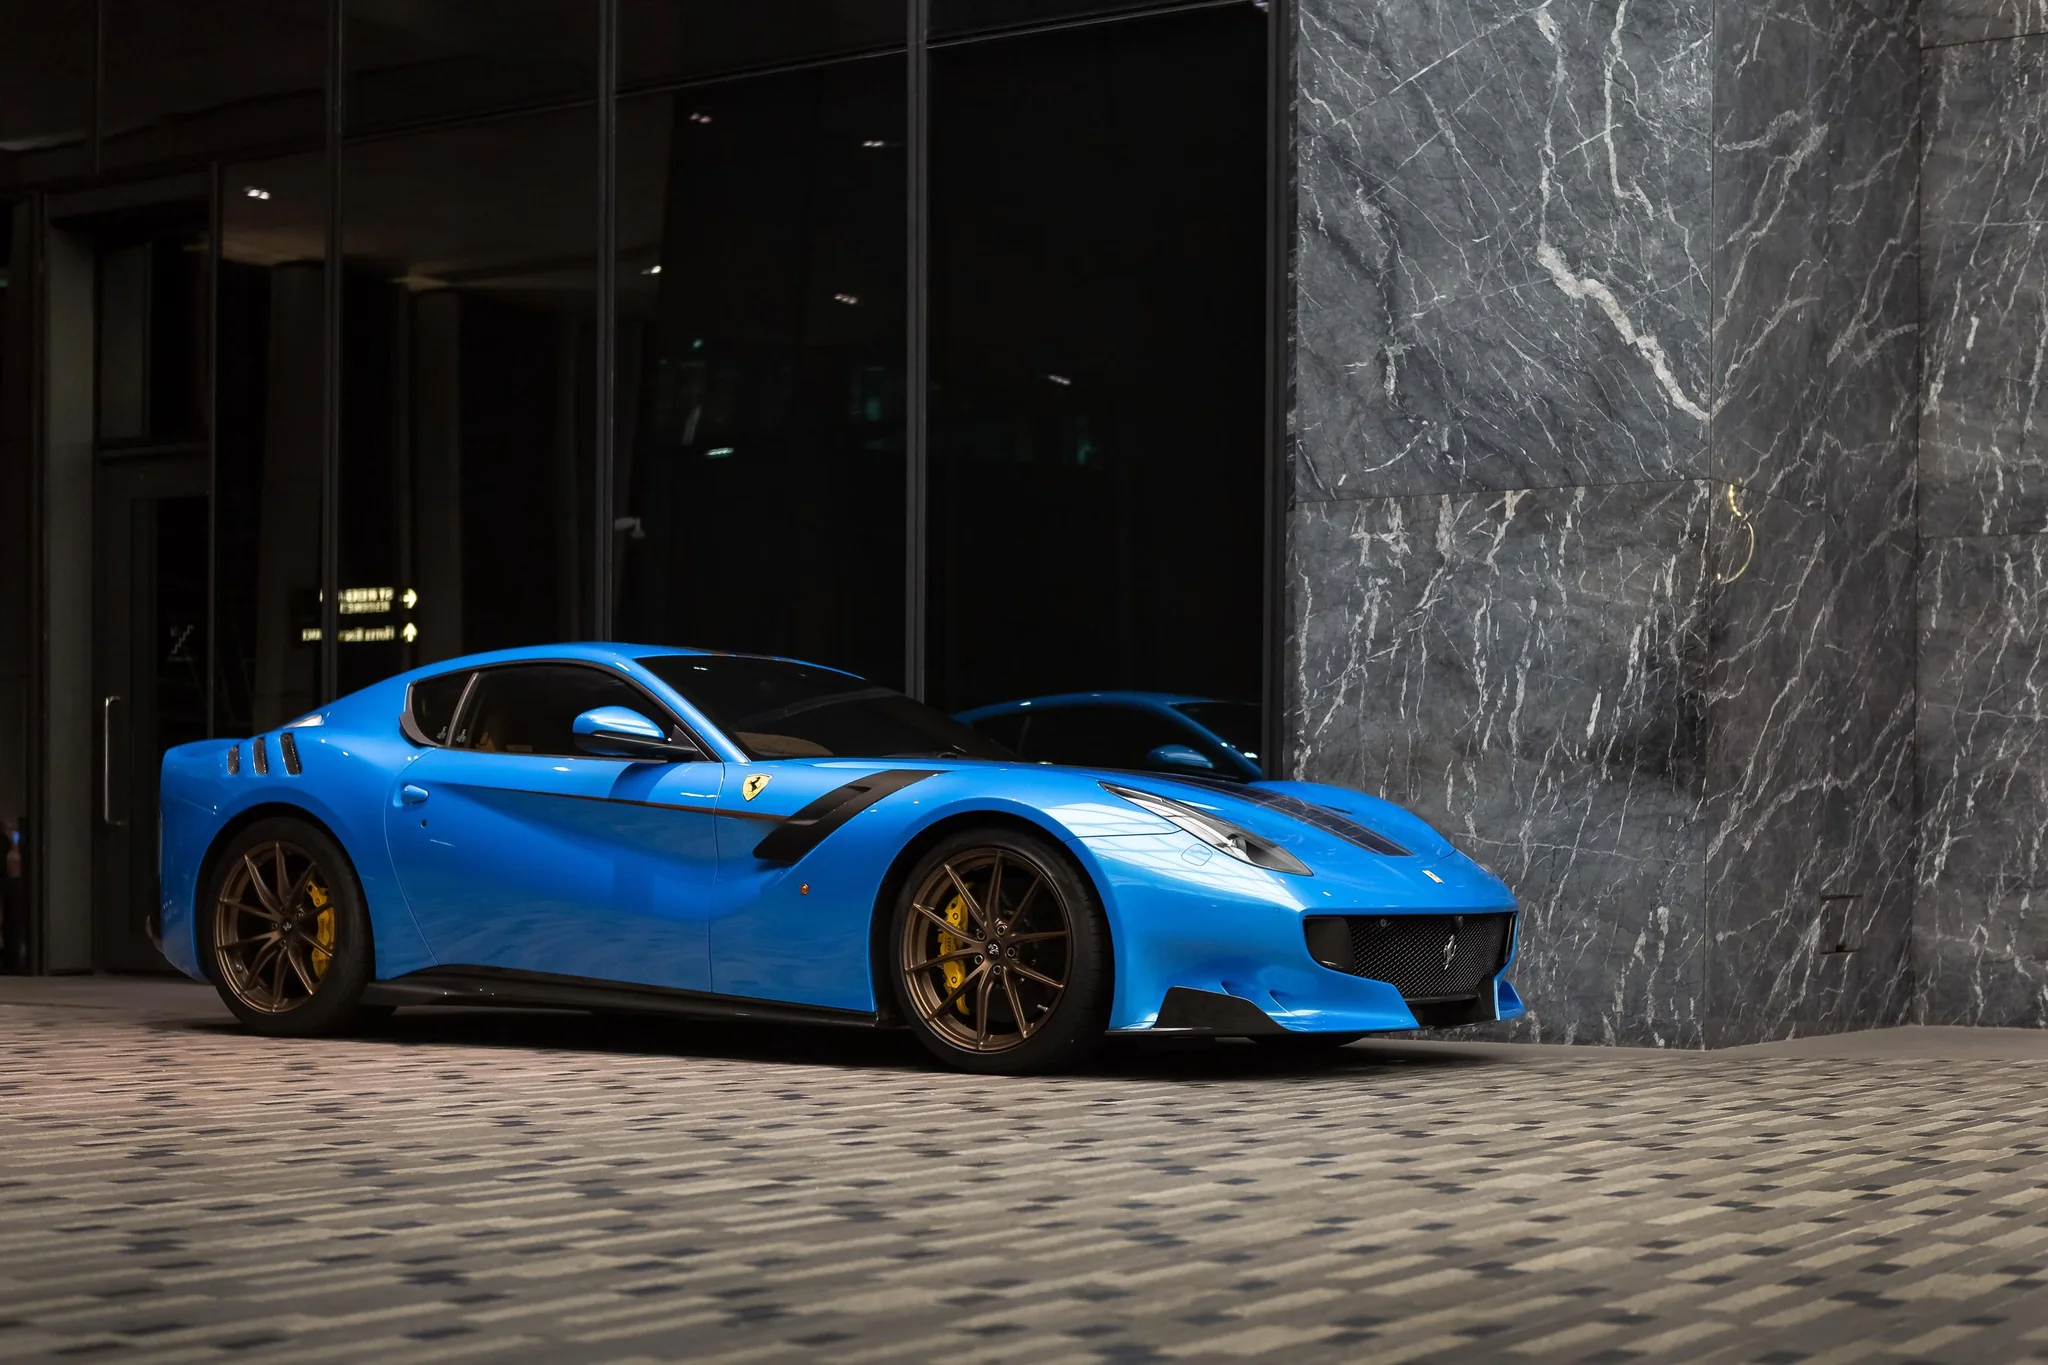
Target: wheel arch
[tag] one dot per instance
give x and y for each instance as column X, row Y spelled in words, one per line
column 233, row 827
column 907, row 858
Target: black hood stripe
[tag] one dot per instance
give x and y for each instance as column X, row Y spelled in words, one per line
column 1322, row 817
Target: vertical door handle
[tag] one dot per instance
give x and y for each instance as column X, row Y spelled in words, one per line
column 107, row 762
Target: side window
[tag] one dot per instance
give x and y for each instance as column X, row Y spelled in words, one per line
column 1100, row 736
column 433, row 701
column 530, row 708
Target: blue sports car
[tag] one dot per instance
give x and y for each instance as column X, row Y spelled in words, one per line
column 656, row 829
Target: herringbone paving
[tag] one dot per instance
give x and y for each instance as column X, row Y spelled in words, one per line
column 477, row 1187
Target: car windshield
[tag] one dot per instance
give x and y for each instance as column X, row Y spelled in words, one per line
column 773, row 708
column 1236, row 723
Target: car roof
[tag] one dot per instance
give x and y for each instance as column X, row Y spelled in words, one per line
column 595, row 651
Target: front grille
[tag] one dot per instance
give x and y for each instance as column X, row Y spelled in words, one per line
column 1425, row 957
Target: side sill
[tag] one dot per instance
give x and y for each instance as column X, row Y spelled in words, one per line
column 508, row 987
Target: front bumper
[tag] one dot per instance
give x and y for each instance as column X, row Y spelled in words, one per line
column 1195, row 1012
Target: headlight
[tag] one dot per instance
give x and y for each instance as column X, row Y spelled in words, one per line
column 1215, row 831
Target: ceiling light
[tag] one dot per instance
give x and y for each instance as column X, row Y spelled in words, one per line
column 846, row 298
column 652, row 270
column 255, row 192
column 1061, row 380
column 874, row 142
column 699, row 117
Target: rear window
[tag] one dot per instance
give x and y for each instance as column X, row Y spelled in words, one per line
column 432, row 702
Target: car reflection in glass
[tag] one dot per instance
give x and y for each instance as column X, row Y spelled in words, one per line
column 1162, row 732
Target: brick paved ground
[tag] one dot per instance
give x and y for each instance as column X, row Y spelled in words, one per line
column 546, row 1188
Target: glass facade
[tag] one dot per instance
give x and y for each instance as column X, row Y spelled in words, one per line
column 924, row 339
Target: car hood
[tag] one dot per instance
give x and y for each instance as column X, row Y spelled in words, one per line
column 1337, row 832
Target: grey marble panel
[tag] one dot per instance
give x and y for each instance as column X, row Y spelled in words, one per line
column 1809, row 789
column 1981, row 918
column 1969, row 21
column 1504, row 244
column 1526, row 670
column 1984, row 211
column 1815, row 337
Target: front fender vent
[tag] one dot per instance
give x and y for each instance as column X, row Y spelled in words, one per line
column 260, row 751
column 288, row 745
column 234, row 760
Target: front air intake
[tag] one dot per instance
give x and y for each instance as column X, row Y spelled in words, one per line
column 1430, row 959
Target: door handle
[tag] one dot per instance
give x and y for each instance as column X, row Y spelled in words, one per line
column 411, row 795
column 107, row 762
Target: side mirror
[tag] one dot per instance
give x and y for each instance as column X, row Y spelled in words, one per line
column 621, row 732
column 1184, row 756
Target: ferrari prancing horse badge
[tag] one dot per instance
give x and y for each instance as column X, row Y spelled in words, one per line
column 751, row 788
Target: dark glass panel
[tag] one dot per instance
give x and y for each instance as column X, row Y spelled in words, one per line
column 46, row 62
column 467, row 391
column 415, row 60
column 203, row 76
column 1101, row 737
column 759, row 479
column 666, row 40
column 17, row 552
column 959, row 18
column 269, row 401
column 1097, row 240
column 151, row 337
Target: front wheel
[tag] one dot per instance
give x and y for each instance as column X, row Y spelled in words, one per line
column 1002, row 955
column 287, row 938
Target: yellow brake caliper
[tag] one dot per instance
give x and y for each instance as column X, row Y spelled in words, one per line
column 956, row 970
column 323, row 928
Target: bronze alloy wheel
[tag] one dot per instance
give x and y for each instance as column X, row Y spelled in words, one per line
column 274, row 928
column 986, row 949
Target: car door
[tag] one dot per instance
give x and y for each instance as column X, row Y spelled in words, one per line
column 518, row 851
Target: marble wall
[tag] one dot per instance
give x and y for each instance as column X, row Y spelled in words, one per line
column 1981, row 911
column 1601, row 542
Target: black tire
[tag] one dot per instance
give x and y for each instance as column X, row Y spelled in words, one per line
column 313, row 983
column 1047, row 1030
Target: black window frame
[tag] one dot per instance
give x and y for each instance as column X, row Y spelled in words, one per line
column 679, row 731
column 409, row 722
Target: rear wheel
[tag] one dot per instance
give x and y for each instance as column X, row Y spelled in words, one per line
column 287, row 936
column 1002, row 954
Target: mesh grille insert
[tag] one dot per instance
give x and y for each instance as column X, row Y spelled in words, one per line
column 234, row 760
column 1425, row 957
column 288, row 745
column 261, row 753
